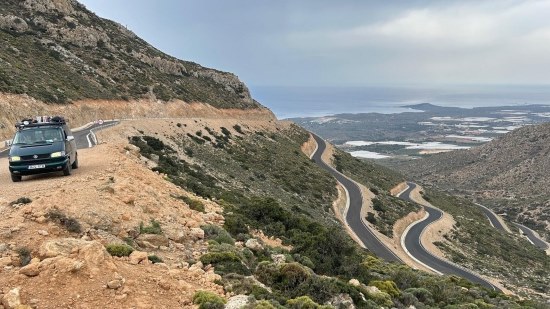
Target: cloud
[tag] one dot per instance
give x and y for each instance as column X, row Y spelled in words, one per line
column 488, row 41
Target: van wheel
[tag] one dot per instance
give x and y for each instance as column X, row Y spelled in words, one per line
column 67, row 169
column 15, row 178
column 75, row 163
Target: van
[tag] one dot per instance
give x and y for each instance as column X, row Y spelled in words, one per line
column 42, row 145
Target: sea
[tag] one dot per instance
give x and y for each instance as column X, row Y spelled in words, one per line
column 294, row 101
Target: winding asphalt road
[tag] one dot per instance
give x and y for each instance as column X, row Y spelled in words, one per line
column 527, row 232
column 532, row 237
column 414, row 245
column 353, row 215
column 493, row 219
column 84, row 138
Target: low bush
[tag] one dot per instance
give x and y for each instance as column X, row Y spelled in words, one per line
column 218, row 234
column 192, row 203
column 225, row 263
column 154, row 228
column 119, row 249
column 154, row 259
column 21, row 200
column 238, row 129
column 208, row 300
column 386, row 286
column 69, row 223
column 303, row 302
column 24, row 255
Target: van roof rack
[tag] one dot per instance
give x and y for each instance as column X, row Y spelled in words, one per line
column 40, row 121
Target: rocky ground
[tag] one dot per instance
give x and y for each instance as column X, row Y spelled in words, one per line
column 108, row 197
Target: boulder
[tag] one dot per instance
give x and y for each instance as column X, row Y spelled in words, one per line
column 196, row 234
column 56, row 247
column 354, row 282
column 253, row 244
column 5, row 261
column 237, row 302
column 61, row 264
column 31, row 270
column 372, row 289
column 13, row 23
column 114, row 284
column 12, row 299
column 137, row 257
column 95, row 256
column 152, row 240
column 278, row 259
column 341, row 301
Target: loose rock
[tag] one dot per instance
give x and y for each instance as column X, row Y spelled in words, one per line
column 30, row 270
column 12, row 299
column 237, row 302
column 137, row 257
column 114, row 284
column 253, row 244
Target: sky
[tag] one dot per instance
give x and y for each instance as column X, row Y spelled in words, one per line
column 349, row 43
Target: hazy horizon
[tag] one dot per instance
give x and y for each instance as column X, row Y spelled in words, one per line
column 309, row 101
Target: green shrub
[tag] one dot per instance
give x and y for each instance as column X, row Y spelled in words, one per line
column 292, row 275
column 154, row 259
column 303, row 302
column 387, row 286
column 225, row 262
column 154, row 228
column 238, row 129
column 216, row 257
column 225, row 131
column 69, row 223
column 214, row 232
column 423, row 295
column 119, row 249
column 21, row 200
column 192, row 203
column 208, row 300
column 381, row 298
column 24, row 255
column 264, row 304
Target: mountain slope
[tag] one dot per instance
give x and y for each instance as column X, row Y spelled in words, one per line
column 511, row 173
column 58, row 51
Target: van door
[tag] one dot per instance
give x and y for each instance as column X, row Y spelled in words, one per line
column 70, row 149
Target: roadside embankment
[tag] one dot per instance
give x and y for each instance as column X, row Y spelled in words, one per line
column 15, row 107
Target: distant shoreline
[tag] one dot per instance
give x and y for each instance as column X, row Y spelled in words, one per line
column 302, row 102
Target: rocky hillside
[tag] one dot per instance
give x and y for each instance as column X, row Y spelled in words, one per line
column 510, row 173
column 58, row 51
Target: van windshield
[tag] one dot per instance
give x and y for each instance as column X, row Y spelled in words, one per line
column 37, row 136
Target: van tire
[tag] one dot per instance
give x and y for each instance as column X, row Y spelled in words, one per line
column 67, row 169
column 75, row 163
column 15, row 178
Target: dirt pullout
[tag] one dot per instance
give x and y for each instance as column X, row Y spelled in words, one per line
column 398, row 189
column 69, row 220
column 309, row 147
column 16, row 107
column 328, row 155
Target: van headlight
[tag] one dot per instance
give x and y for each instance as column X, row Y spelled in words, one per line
column 15, row 159
column 57, row 154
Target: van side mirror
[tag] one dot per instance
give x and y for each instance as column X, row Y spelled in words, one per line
column 8, row 143
column 70, row 138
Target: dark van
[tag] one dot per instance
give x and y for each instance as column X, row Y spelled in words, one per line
column 42, row 147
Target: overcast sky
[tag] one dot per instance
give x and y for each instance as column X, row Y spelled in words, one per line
column 362, row 42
